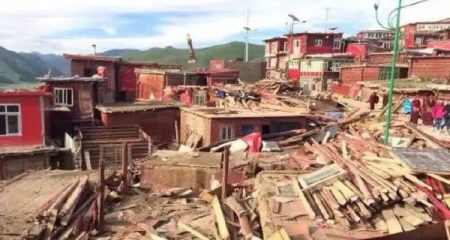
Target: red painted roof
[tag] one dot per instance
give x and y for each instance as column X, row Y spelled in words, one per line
column 92, row 58
column 14, row 93
column 314, row 33
column 274, row 39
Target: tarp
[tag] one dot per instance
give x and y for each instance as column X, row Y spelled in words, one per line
column 253, row 141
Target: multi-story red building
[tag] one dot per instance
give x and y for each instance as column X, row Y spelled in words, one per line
column 416, row 35
column 284, row 53
column 379, row 38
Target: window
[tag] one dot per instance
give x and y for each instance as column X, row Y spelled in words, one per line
column 337, row 43
column 318, row 42
column 200, row 97
column 419, row 40
column 226, row 132
column 297, row 43
column 9, row 119
column 285, row 47
column 63, row 96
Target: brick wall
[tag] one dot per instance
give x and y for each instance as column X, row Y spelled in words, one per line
column 433, row 67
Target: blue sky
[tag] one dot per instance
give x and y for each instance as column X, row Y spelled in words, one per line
column 71, row 26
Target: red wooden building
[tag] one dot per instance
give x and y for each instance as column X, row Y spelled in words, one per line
column 73, row 103
column 285, row 52
column 161, row 120
column 361, row 51
column 416, row 35
column 120, row 75
column 212, row 125
column 23, row 132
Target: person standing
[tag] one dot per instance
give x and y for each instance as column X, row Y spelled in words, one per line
column 446, row 116
column 385, row 100
column 438, row 114
column 416, row 109
column 373, row 100
column 427, row 109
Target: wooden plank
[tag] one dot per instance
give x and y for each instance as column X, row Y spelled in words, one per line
column 301, row 195
column 439, row 178
column 346, row 191
column 281, row 234
column 392, row 222
column 87, row 160
column 192, row 231
column 68, row 207
column 220, row 219
column 338, row 195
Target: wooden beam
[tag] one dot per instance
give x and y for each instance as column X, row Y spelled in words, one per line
column 87, row 160
column 220, row 219
column 192, row 231
column 225, row 168
column 304, row 201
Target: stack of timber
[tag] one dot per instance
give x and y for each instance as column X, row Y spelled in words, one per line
column 70, row 213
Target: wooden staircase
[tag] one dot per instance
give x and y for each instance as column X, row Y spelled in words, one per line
column 112, row 140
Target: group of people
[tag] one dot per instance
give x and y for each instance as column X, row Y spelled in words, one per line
column 431, row 110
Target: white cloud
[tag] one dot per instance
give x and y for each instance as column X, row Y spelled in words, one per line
column 27, row 25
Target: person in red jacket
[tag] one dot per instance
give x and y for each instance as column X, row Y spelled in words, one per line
column 438, row 114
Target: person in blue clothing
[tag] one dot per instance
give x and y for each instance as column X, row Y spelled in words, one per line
column 446, row 116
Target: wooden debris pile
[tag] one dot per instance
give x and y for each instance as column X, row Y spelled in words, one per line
column 367, row 187
column 70, row 212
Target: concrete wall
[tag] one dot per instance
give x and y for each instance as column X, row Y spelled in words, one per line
column 249, row 72
column 13, row 166
column 192, row 123
column 159, row 124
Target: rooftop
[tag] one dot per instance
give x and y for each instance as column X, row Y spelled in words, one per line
column 71, row 79
column 215, row 112
column 136, row 106
column 92, row 57
column 10, row 93
column 314, row 33
column 330, row 55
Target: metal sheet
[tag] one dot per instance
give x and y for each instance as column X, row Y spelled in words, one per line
column 425, row 160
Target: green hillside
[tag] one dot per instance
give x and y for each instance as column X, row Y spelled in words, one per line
column 21, row 67
column 231, row 50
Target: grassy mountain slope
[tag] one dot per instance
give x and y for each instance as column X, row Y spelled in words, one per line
column 231, row 50
column 21, row 67
column 58, row 63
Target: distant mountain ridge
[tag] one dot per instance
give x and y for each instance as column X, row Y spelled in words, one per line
column 21, row 67
column 25, row 67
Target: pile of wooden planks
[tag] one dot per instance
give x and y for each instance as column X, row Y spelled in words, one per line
column 70, row 212
column 377, row 192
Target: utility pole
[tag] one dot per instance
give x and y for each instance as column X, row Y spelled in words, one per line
column 94, row 46
column 247, row 30
column 392, row 74
column 327, row 10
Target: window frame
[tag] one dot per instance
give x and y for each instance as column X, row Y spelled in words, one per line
column 230, row 128
column 337, row 42
column 316, row 41
column 64, row 96
column 19, row 119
